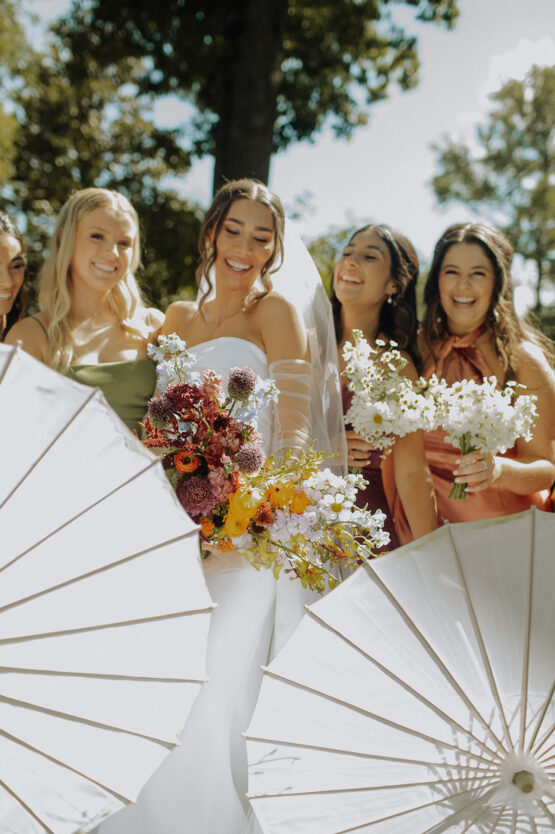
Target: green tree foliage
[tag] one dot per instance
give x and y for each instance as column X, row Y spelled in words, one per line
column 512, row 173
column 76, row 130
column 14, row 58
column 260, row 73
column 326, row 251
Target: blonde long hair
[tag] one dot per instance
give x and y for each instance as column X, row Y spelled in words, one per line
column 124, row 299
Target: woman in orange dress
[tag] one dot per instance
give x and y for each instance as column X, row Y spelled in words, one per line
column 471, row 331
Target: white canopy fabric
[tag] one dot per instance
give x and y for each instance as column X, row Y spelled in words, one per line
column 419, row 695
column 104, row 612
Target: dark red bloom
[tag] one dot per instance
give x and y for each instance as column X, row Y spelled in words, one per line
column 196, row 496
column 183, row 396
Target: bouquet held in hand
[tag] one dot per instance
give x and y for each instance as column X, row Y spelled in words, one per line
column 385, row 405
column 290, row 516
column 482, row 417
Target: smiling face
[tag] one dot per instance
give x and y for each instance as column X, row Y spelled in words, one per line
column 466, row 283
column 363, row 273
column 245, row 243
column 12, row 271
column 103, row 249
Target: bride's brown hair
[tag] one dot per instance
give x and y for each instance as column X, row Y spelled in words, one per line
column 244, row 189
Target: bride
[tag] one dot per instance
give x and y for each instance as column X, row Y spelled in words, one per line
column 239, row 320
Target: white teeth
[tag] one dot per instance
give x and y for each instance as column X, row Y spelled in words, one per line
column 235, row 265
column 350, row 279
column 105, row 268
column 5, row 297
column 463, row 300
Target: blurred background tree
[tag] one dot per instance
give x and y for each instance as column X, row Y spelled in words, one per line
column 74, row 124
column 261, row 74
column 510, row 177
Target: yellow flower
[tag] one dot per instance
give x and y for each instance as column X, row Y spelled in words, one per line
column 242, row 507
column 378, row 419
column 280, row 496
column 299, row 503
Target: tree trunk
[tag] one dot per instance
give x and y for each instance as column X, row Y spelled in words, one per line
column 244, row 134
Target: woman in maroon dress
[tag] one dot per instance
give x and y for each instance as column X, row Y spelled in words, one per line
column 374, row 291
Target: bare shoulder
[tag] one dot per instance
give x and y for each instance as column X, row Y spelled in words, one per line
column 281, row 328
column 274, row 307
column 533, row 368
column 29, row 333
column 154, row 318
column 178, row 315
column 410, row 368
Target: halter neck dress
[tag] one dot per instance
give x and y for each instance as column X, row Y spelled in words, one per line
column 465, row 362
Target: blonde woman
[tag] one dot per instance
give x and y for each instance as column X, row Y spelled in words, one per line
column 93, row 324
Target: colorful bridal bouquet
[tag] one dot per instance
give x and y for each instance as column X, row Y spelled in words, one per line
column 291, row 515
column 385, row 405
column 482, row 417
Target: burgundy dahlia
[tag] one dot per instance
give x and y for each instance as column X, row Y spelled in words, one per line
column 196, row 496
column 242, row 383
column 182, row 395
column 160, row 408
column 250, row 458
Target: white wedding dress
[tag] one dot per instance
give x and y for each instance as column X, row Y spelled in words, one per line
column 201, row 786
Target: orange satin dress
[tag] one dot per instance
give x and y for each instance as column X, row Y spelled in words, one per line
column 465, row 362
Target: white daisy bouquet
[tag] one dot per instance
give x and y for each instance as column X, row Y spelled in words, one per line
column 385, row 405
column 482, row 417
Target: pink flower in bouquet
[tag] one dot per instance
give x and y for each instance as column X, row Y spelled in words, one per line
column 196, row 496
column 250, row 458
column 221, row 485
column 242, row 383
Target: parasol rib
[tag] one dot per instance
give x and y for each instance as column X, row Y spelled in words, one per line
column 83, row 576
column 82, row 512
column 26, row 807
column 68, row 767
column 99, row 627
column 45, row 451
column 380, row 719
column 435, row 657
column 526, row 660
column 343, row 751
column 419, row 697
column 481, row 644
column 169, row 745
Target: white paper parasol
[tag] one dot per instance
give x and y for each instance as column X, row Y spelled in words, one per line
column 104, row 612
column 419, row 695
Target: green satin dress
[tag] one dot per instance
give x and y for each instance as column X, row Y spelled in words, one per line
column 127, row 385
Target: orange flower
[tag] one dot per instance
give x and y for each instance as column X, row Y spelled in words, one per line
column 185, row 462
column 207, row 527
column 299, row 503
column 225, row 545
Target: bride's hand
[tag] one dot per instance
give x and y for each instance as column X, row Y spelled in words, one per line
column 219, row 562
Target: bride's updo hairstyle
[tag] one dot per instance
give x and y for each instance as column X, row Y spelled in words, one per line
column 124, row 299
column 398, row 320
column 502, row 321
column 244, row 189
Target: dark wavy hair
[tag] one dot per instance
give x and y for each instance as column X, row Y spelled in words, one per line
column 244, row 189
column 398, row 320
column 502, row 321
column 8, row 228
